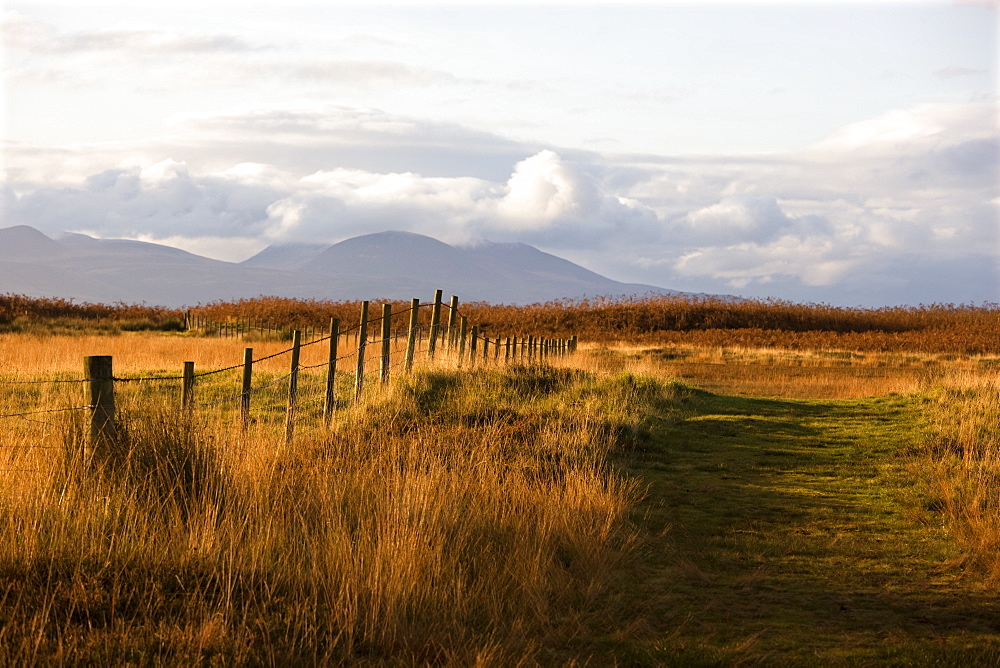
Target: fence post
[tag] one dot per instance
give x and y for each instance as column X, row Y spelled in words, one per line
column 435, row 324
column 331, row 370
column 246, row 388
column 386, row 342
column 496, row 350
column 99, row 371
column 572, row 344
column 474, row 339
column 359, row 379
column 411, row 336
column 452, row 322
column 293, row 385
column 187, row 385
column 486, row 348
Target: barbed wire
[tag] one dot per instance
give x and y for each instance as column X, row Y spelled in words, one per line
column 39, row 382
column 51, row 410
column 445, row 333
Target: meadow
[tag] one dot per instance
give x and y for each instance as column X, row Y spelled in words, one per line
column 707, row 483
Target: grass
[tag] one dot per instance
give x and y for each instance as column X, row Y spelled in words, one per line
column 791, row 531
column 458, row 517
column 798, row 507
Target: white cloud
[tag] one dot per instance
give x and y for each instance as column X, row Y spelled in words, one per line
column 842, row 215
column 738, row 218
column 21, row 32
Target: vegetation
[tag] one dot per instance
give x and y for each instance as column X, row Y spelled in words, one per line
column 698, row 321
column 52, row 314
column 653, row 501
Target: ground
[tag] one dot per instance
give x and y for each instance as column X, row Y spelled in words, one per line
column 791, row 531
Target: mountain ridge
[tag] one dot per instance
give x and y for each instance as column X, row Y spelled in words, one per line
column 382, row 265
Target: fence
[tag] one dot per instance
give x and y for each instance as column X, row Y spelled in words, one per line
column 394, row 349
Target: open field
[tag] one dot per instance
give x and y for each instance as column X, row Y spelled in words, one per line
column 667, row 503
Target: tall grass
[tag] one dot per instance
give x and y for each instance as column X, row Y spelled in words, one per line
column 960, row 462
column 456, row 517
column 671, row 320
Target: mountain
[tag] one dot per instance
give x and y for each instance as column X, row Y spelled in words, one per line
column 285, row 256
column 385, row 265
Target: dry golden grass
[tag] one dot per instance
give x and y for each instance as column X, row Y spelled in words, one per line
column 960, row 462
column 675, row 320
column 784, row 373
column 452, row 517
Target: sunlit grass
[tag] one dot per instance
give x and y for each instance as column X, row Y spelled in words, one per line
column 479, row 515
column 452, row 516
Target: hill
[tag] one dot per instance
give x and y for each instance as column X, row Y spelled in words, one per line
column 385, row 265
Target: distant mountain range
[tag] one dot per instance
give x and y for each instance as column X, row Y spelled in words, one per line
column 386, row 265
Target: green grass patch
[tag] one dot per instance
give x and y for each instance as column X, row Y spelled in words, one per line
column 790, row 531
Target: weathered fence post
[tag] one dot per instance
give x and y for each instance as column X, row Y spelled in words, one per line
column 359, row 379
column 246, row 388
column 486, row 349
column 496, row 350
column 293, row 385
column 452, row 322
column 473, row 343
column 331, row 370
column 386, row 343
column 187, row 385
column 435, row 324
column 100, row 373
column 572, row 344
column 411, row 335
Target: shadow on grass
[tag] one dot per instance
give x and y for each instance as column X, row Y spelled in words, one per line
column 783, row 530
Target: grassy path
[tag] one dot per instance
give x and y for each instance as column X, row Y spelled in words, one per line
column 788, row 531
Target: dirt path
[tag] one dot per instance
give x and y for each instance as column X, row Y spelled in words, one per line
column 788, row 531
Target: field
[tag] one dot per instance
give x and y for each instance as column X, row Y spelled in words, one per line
column 703, row 484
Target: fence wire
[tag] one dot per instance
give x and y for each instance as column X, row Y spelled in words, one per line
column 444, row 337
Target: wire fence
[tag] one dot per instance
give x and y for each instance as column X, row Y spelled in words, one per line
column 371, row 360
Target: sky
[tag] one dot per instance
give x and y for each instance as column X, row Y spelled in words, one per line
column 844, row 153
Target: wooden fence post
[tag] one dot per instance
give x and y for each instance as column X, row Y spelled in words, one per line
column 359, row 379
column 496, row 350
column 386, row 342
column 473, row 343
column 187, row 385
column 331, row 370
column 452, row 322
column 486, row 348
column 246, row 388
column 411, row 336
column 100, row 373
column 435, row 324
column 293, row 385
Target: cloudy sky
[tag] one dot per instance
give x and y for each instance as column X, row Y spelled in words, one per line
column 840, row 153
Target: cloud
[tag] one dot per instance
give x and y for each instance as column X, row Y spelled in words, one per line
column 954, row 72
column 25, row 33
column 842, row 219
column 162, row 200
column 737, row 219
column 373, row 74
